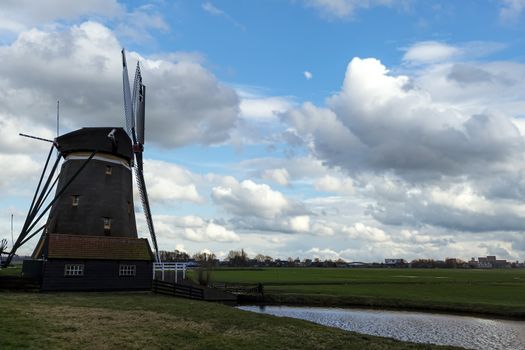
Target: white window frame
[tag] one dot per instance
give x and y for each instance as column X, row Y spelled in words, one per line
column 127, row 270
column 74, row 270
column 107, row 223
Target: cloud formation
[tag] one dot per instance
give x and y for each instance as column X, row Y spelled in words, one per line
column 170, row 184
column 16, row 16
column 215, row 11
column 250, row 199
column 193, row 228
column 421, row 157
column 430, row 52
column 511, row 10
column 344, row 8
column 81, row 67
column 385, row 123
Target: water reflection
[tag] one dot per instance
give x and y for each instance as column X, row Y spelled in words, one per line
column 468, row 332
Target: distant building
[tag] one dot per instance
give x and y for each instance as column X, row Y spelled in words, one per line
column 484, row 263
column 499, row 264
column 490, row 262
column 395, row 262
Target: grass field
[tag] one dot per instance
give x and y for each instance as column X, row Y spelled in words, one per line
column 148, row 321
column 11, row 271
column 496, row 292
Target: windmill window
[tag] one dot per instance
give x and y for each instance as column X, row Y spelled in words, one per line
column 107, row 226
column 127, row 270
column 74, row 270
column 74, row 200
column 129, row 208
column 109, row 170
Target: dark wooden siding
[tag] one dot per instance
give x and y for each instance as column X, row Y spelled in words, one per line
column 99, row 196
column 98, row 275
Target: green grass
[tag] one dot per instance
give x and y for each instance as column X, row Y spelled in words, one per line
column 11, row 271
column 148, row 321
column 495, row 292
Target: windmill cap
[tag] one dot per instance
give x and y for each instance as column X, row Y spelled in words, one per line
column 90, row 139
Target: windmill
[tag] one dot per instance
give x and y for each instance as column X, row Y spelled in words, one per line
column 91, row 229
column 134, row 112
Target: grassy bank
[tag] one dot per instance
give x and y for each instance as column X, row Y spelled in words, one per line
column 147, row 321
column 491, row 292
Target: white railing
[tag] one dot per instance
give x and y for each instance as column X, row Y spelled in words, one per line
column 170, row 266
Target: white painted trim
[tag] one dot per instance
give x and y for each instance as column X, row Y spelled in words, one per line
column 98, row 157
column 170, row 266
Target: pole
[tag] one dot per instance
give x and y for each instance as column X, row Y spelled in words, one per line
column 58, row 118
column 12, row 237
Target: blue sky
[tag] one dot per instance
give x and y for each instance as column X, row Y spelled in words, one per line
column 315, row 128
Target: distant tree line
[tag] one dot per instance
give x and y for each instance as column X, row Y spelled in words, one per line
column 239, row 258
column 175, row 255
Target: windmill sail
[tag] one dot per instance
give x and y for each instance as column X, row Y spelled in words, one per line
column 128, row 104
column 145, row 202
column 135, row 111
column 141, row 107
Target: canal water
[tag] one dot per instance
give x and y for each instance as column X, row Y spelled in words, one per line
column 465, row 331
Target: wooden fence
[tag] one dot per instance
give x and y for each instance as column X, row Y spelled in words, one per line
column 178, row 290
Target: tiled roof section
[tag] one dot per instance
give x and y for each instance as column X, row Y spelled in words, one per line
column 62, row 246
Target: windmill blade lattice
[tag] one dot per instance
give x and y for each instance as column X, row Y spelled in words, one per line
column 139, row 174
column 134, row 112
column 128, row 104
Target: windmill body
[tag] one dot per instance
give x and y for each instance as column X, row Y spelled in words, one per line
column 100, row 200
column 90, row 240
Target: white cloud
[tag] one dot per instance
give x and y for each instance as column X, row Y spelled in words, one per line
column 344, row 8
column 220, row 234
column 170, row 184
column 194, row 229
column 81, row 67
column 434, row 160
column 361, row 231
column 137, row 25
column 264, row 108
column 280, row 176
column 133, row 24
column 19, row 15
column 211, row 9
column 215, row 11
column 323, row 253
column 511, row 10
column 294, row 168
column 430, row 52
column 379, row 121
column 308, row 75
column 300, row 223
column 250, row 198
column 433, row 52
column 331, row 183
column 16, row 170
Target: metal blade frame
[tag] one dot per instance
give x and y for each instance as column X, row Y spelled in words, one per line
column 134, row 104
